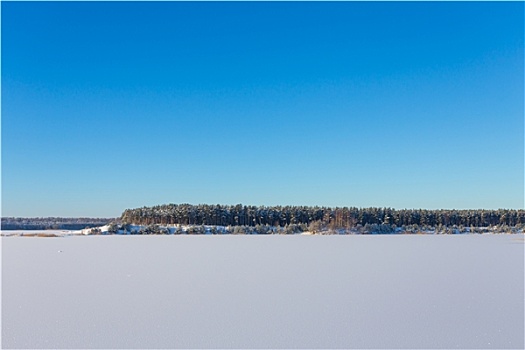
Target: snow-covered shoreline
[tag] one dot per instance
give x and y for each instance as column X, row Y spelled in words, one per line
column 224, row 230
column 130, row 229
column 40, row 233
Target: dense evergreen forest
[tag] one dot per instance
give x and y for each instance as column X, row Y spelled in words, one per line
column 332, row 218
column 287, row 219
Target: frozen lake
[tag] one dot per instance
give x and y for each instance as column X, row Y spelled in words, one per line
column 396, row 291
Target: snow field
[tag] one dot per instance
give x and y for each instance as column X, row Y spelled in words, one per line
column 276, row 291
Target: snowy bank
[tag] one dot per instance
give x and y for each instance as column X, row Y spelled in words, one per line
column 154, row 229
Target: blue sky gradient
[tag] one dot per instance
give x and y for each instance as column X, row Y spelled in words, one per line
column 115, row 105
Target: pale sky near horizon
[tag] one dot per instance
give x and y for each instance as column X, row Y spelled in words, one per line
column 115, row 105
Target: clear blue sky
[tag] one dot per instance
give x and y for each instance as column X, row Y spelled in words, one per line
column 115, row 105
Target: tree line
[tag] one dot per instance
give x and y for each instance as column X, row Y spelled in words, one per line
column 52, row 223
column 339, row 217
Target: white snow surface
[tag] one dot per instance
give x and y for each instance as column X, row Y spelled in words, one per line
column 274, row 291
